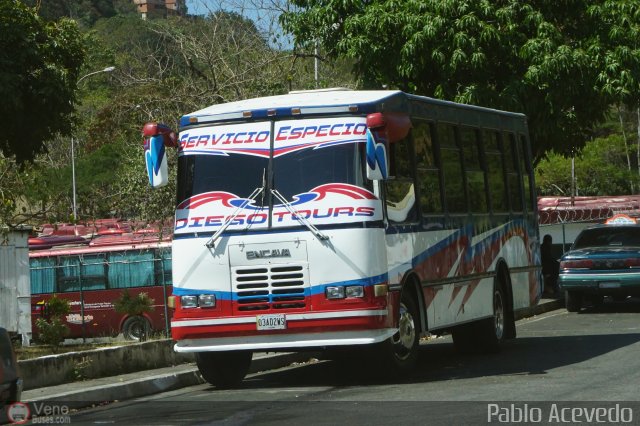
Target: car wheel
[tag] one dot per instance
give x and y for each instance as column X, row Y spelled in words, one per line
column 224, row 370
column 573, row 301
column 136, row 328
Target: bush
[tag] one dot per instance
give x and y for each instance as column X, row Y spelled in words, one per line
column 133, row 305
column 57, row 307
column 53, row 331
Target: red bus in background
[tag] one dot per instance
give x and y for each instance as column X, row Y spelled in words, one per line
column 92, row 273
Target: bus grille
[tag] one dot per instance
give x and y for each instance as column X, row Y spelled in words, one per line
column 271, row 287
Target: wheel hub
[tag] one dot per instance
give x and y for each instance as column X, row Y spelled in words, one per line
column 404, row 338
column 498, row 308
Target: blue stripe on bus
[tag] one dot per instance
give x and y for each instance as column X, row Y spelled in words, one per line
column 467, row 231
column 309, row 291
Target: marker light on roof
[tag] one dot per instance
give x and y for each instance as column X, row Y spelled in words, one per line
column 295, row 111
column 353, row 108
column 271, row 112
column 246, row 114
column 193, row 119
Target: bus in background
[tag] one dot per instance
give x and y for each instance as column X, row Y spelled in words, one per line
column 343, row 219
column 93, row 274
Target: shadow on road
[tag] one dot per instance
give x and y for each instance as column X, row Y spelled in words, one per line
column 630, row 305
column 440, row 362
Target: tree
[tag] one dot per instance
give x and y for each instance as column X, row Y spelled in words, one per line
column 561, row 63
column 87, row 12
column 39, row 66
column 600, row 169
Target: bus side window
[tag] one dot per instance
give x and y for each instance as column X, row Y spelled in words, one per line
column 93, row 274
column 69, row 274
column 495, row 172
column 428, row 169
column 163, row 273
column 452, row 167
column 133, row 268
column 399, row 190
column 473, row 170
column 43, row 275
column 85, row 272
column 527, row 172
column 513, row 171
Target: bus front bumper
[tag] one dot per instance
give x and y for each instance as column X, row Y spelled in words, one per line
column 300, row 330
column 284, row 341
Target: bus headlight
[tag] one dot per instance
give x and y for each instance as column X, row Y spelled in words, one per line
column 354, row 291
column 207, row 300
column 334, row 292
column 189, row 301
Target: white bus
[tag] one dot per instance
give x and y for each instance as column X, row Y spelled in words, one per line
column 335, row 218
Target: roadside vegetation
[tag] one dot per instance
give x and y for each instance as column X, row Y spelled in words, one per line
column 572, row 67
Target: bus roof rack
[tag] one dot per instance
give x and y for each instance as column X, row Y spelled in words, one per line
column 328, row 89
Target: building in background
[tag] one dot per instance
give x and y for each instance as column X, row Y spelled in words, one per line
column 160, row 8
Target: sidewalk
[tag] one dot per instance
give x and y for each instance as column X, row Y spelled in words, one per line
column 149, row 382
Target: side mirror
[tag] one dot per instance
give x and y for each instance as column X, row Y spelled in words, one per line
column 156, row 138
column 382, row 130
column 377, row 158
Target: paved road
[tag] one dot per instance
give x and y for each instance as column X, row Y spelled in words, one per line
column 558, row 361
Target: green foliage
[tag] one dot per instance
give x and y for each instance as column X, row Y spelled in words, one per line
column 133, row 305
column 40, row 65
column 600, row 168
column 164, row 69
column 87, row 12
column 561, row 63
column 57, row 307
column 51, row 332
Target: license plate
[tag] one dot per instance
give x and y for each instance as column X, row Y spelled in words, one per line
column 609, row 284
column 271, row 322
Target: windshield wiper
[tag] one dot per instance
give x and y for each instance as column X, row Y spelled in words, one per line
column 236, row 212
column 295, row 214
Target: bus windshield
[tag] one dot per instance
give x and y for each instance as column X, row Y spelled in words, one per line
column 317, row 166
column 294, row 173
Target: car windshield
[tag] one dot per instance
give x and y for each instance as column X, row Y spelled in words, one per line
column 608, row 237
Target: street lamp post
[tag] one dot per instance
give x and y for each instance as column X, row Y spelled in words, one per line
column 75, row 212
column 73, row 157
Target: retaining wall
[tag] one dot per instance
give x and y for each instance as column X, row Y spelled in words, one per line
column 71, row 366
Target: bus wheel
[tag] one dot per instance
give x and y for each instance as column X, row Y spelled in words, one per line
column 573, row 301
column 224, row 370
column 485, row 335
column 136, row 328
column 400, row 352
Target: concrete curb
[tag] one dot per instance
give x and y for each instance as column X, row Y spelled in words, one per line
column 546, row 305
column 53, row 370
column 135, row 385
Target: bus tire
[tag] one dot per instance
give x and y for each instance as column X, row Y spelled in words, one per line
column 224, row 370
column 573, row 301
column 399, row 353
column 486, row 335
column 136, row 328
